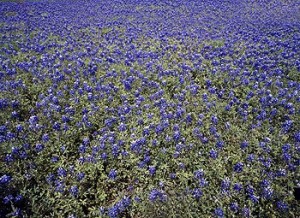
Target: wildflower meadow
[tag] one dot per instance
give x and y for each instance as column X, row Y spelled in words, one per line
column 150, row 109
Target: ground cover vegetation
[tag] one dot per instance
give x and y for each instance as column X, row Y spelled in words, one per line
column 149, row 108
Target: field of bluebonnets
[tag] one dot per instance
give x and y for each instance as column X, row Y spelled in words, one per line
column 149, row 108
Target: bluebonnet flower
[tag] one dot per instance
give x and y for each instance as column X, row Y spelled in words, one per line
column 112, row 174
column 65, row 127
column 208, row 83
column 74, row 190
column 157, row 195
column 281, row 173
column 5, row 179
column 189, row 118
column 62, row 148
column 179, row 147
column 127, row 85
column 82, row 148
column 19, row 128
column 213, row 154
column 80, row 176
column 265, row 183
column 197, row 193
column 115, row 150
column 123, row 118
column 297, row 136
column 225, row 185
column 3, row 103
column 122, row 127
column 250, row 190
column 15, row 104
column 61, row 172
column 214, row 120
column 125, row 202
column 219, row 212
column 113, row 212
column 244, row 144
column 146, row 131
column 250, row 158
column 238, row 167
column 90, row 159
column 227, row 125
column 59, row 186
column 254, row 198
column 7, row 199
column 212, row 90
column 147, row 158
column 15, row 150
column 172, row 175
column 161, row 184
column 23, row 154
column 194, row 89
column 152, row 170
column 119, row 207
column 267, row 192
column 103, row 156
column 213, row 130
column 54, row 159
column 285, row 148
column 198, row 174
column 203, row 182
column 266, row 162
column 237, row 187
column 10, row 135
column 159, row 129
column 33, row 120
column 282, row 206
column 95, row 149
column 176, row 136
column 109, row 122
column 65, row 118
column 56, row 126
column 45, row 137
column 287, row 125
column 140, row 122
column 111, row 139
column 286, row 157
column 124, row 153
column 168, row 138
column 181, row 165
column 39, row 147
column 204, row 97
column 179, row 112
column 246, row 212
column 150, row 116
column 137, row 199
column 86, row 141
column 50, row 178
column 181, row 79
column 135, row 146
column 18, row 198
column 234, row 207
column 219, row 144
column 3, row 129
column 101, row 211
column 273, row 112
column 9, row 158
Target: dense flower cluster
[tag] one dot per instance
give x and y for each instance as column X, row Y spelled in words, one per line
column 128, row 108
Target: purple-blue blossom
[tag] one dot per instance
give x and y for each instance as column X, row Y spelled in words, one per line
column 5, row 179
column 238, row 167
column 112, row 174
